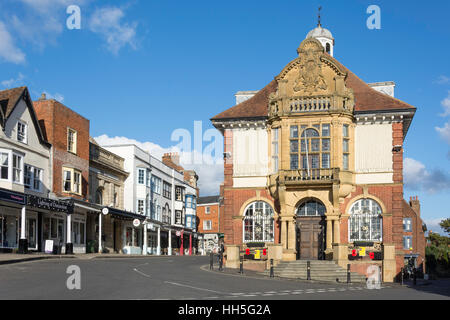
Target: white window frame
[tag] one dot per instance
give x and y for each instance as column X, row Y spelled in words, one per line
column 267, row 216
column 139, row 171
column 405, row 220
column 74, row 142
column 72, row 181
column 7, row 153
column 156, row 184
column 24, row 134
column 410, row 241
column 33, row 180
column 207, row 210
column 275, row 149
column 138, row 205
column 207, row 225
column 21, row 168
column 370, row 215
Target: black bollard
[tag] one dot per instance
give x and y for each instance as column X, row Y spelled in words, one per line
column 241, row 266
column 221, row 262
column 211, row 261
column 348, row 273
column 271, row 268
column 308, row 270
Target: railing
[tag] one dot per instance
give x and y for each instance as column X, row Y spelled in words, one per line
column 308, row 176
column 319, row 103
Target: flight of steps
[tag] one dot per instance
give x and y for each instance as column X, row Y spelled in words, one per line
column 326, row 271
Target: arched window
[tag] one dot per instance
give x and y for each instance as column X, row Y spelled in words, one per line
column 328, row 48
column 311, row 149
column 365, row 223
column 99, row 196
column 311, row 208
column 258, row 223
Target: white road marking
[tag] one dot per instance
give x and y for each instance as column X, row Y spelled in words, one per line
column 187, row 286
column 141, row 273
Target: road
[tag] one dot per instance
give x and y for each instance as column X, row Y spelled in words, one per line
column 179, row 278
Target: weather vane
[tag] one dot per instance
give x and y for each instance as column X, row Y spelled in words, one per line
column 319, row 24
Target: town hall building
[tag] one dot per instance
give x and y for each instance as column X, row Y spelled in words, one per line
column 313, row 165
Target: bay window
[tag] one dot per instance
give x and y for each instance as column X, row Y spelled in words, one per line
column 311, row 149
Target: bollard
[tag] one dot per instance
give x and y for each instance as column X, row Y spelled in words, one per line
column 308, row 270
column 241, row 266
column 414, row 276
column 271, row 268
column 348, row 273
column 211, row 261
column 221, row 262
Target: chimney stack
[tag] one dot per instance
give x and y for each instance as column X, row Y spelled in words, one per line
column 414, row 203
column 43, row 97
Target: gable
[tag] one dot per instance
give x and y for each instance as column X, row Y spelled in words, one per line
column 18, row 106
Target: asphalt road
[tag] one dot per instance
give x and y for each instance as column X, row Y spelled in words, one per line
column 180, row 278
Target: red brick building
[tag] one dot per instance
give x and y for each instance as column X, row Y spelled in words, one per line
column 209, row 223
column 314, row 165
column 68, row 132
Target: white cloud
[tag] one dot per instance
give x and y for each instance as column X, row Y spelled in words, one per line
column 11, row 83
column 107, row 22
column 444, row 132
column 417, row 177
column 442, row 80
column 8, row 50
column 210, row 172
column 433, row 225
column 446, row 104
column 57, row 96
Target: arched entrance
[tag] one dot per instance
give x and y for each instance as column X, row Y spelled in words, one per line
column 311, row 230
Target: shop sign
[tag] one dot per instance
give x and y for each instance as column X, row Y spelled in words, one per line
column 136, row 223
column 12, row 197
column 48, row 246
column 49, row 204
column 105, row 211
column 178, row 233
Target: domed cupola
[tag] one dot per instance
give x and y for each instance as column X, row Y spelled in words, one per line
column 324, row 36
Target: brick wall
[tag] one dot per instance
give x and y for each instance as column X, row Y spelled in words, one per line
column 56, row 119
column 213, row 216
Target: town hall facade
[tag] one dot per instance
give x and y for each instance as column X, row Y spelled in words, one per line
column 313, row 165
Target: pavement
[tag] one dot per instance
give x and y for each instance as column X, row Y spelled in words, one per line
column 180, row 278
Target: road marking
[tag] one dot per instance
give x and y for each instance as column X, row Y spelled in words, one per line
column 187, row 286
column 141, row 273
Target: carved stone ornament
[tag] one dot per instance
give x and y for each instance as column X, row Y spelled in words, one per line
column 310, row 78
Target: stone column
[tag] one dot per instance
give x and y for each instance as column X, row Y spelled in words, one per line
column 336, row 231
column 283, row 233
column 291, row 235
column 329, row 234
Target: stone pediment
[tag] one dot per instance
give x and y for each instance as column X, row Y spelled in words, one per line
column 312, row 82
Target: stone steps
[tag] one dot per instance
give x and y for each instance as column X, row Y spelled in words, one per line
column 326, row 271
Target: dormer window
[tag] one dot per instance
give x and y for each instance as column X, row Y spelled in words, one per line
column 22, row 132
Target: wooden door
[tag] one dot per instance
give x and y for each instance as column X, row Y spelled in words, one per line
column 310, row 238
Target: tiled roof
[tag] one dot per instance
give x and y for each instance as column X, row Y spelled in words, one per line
column 9, row 98
column 366, row 99
column 206, row 200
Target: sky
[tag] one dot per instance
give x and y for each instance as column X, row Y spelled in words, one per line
column 148, row 72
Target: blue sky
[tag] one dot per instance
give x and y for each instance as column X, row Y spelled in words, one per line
column 140, row 69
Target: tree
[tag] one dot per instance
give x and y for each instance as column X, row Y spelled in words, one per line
column 445, row 224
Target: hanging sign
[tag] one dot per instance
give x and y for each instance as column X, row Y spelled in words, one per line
column 178, row 233
column 105, row 211
column 136, row 223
